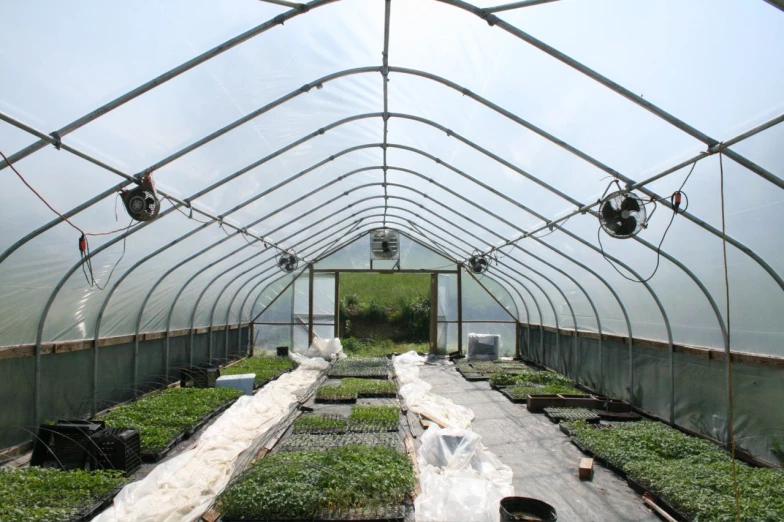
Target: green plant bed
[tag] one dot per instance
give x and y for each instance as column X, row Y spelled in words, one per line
column 522, row 391
column 164, row 415
column 265, row 368
column 322, row 442
column 533, row 377
column 381, row 417
column 692, row 475
column 305, row 485
column 350, row 389
column 319, row 423
column 375, row 367
column 35, row 494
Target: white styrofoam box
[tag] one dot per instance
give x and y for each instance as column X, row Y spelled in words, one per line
column 486, row 347
column 242, row 381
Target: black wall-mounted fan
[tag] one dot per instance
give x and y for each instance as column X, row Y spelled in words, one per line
column 478, row 264
column 141, row 202
column 287, row 262
column 623, row 215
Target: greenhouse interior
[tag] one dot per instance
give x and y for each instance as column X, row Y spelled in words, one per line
column 413, row 260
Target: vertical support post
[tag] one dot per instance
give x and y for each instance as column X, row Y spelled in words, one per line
column 135, row 366
column 459, row 309
column 337, row 304
column 93, row 408
column 517, row 340
column 311, row 280
column 251, row 336
column 434, row 314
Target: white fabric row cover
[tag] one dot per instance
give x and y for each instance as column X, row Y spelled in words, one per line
column 486, row 125
column 182, row 488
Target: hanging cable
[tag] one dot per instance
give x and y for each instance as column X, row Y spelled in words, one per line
column 84, row 249
column 729, row 354
column 676, row 199
column 52, row 208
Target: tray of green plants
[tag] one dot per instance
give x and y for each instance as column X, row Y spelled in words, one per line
column 323, row 442
column 320, row 423
column 350, row 389
column 362, row 419
column 372, row 418
column 166, row 417
column 532, row 377
column 361, row 367
column 34, row 494
column 690, row 475
column 353, row 482
column 265, row 368
column 571, row 414
column 518, row 393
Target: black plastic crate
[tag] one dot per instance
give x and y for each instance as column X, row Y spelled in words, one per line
column 199, row 376
column 65, row 445
column 117, row 448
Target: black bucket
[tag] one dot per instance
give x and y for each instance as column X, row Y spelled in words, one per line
column 283, row 351
column 515, row 509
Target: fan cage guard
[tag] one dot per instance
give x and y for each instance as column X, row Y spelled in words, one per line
column 384, row 244
column 478, row 264
column 623, row 215
column 287, row 262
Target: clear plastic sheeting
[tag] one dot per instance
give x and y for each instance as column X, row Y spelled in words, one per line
column 326, row 349
column 182, row 488
column 459, row 478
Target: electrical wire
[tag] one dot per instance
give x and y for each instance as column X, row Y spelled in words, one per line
column 729, row 354
column 87, row 261
column 30, row 187
column 676, row 209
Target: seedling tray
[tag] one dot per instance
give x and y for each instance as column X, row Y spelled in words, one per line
column 513, row 399
column 330, row 400
column 473, row 377
column 207, row 418
column 377, row 395
column 148, row 456
column 96, row 507
column 639, row 488
column 310, row 442
column 391, row 513
column 612, row 467
column 618, row 417
column 561, row 414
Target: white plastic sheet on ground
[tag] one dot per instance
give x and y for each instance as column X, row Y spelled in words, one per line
column 326, row 349
column 182, row 488
column 459, row 478
column 417, row 396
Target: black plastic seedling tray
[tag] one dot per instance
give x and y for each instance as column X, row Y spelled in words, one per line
column 148, row 456
column 639, row 488
column 385, row 513
column 96, row 507
column 511, row 398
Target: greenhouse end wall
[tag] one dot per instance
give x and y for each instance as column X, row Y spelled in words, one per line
column 699, row 391
column 66, row 377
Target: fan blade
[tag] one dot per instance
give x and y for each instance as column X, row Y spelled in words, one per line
column 609, row 212
column 626, row 227
column 631, row 204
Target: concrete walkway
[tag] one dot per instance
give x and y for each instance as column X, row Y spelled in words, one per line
column 543, row 459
